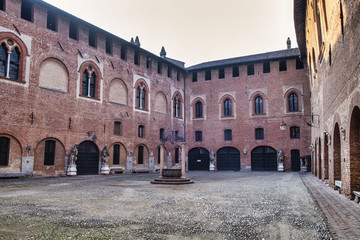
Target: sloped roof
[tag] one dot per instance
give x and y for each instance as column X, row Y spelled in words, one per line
column 282, row 54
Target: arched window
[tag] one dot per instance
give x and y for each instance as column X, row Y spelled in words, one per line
column 116, row 154
column 259, row 105
column 177, row 103
column 227, row 107
column 141, row 96
column 9, row 62
column 293, row 103
column 89, row 82
column 198, row 110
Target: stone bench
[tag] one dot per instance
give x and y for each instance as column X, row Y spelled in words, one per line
column 116, row 170
column 357, row 196
column 337, row 185
column 140, row 170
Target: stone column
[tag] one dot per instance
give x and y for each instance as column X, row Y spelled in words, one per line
column 183, row 161
column 161, row 159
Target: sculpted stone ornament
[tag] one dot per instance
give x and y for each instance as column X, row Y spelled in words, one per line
column 105, row 157
column 212, row 161
column 280, row 160
column 72, row 170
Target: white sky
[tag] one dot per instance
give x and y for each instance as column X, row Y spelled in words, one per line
column 193, row 31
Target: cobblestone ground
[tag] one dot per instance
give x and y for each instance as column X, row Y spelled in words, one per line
column 220, row 205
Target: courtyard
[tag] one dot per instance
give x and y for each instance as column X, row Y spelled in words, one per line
column 220, row 205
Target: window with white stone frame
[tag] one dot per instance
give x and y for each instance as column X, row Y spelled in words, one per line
column 9, row 60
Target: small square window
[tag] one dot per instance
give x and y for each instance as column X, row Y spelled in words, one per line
column 92, row 38
column 52, row 21
column 207, row 75
column 221, row 73
column 266, row 67
column 250, row 69
column 73, row 31
column 300, row 64
column 109, row 46
column 236, row 71
column 198, row 136
column 294, row 132
column 123, row 52
column 159, row 68
column 194, row 76
column 259, row 133
column 227, row 135
column 282, row 65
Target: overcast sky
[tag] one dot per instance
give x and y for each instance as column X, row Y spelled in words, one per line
column 193, row 31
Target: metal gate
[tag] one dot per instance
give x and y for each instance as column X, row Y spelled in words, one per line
column 88, row 159
column 264, row 158
column 199, row 159
column 228, row 158
column 295, row 160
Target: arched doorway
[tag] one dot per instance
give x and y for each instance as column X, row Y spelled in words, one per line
column 320, row 160
column 355, row 150
column 199, row 159
column 337, row 154
column 228, row 158
column 88, row 159
column 295, row 160
column 263, row 158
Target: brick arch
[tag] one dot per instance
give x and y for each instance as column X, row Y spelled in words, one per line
column 59, row 161
column 146, row 154
column 253, row 96
column 15, row 155
column 23, row 50
column 177, row 95
column 222, row 106
column 160, row 102
column 118, row 91
column 123, row 155
column 336, row 154
column 299, row 95
column 193, row 106
column 354, row 135
column 91, row 67
column 52, row 79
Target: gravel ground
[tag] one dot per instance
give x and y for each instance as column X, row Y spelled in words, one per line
column 220, row 205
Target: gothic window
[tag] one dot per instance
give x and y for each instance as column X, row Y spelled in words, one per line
column 116, row 154
column 177, row 106
column 294, row 132
column 259, row 133
column 141, row 96
column 227, row 108
column 49, row 155
column 9, row 61
column 89, row 82
column 259, row 105
column 4, row 151
column 198, row 110
column 293, row 103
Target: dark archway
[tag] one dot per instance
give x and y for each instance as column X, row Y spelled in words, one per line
column 355, row 150
column 326, row 157
column 228, row 159
column 264, row 158
column 199, row 159
column 295, row 160
column 88, row 159
column 337, row 154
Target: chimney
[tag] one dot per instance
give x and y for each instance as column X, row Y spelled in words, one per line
column 163, row 52
column 288, row 43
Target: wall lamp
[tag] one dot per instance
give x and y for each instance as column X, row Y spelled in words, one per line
column 282, row 125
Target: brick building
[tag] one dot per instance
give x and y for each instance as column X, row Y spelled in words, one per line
column 65, row 82
column 328, row 35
